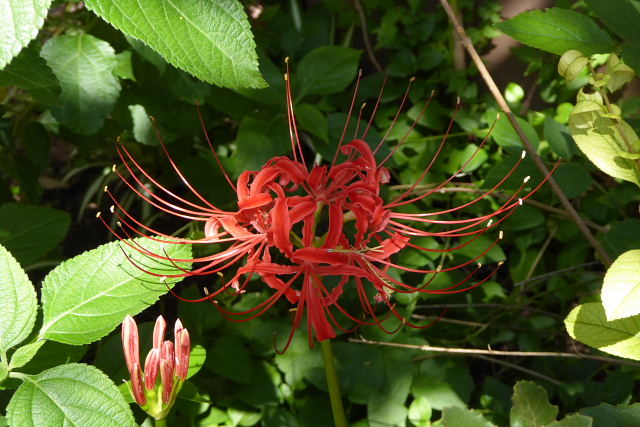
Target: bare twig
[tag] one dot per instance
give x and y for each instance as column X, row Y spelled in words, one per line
column 365, row 35
column 519, row 368
column 475, row 351
column 493, row 88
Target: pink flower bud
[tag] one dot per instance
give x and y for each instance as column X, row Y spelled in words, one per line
column 182, row 350
column 158, row 332
column 167, row 366
column 151, row 366
column 130, row 344
column 136, row 385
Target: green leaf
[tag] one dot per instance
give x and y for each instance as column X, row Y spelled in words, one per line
column 313, row 121
column 574, row 420
column 618, row 72
column 85, row 67
column 573, row 178
column 631, row 54
column 29, row 232
column 261, row 136
column 557, row 30
column 24, row 354
column 19, row 303
column 559, row 138
column 505, row 135
column 21, row 20
column 420, row 411
column 29, row 71
column 69, row 395
column 327, row 69
column 123, row 66
column 599, row 138
column 142, row 127
column 86, row 297
column 588, row 323
column 621, row 16
column 531, row 407
column 456, row 416
column 621, row 286
column 606, row 415
column 211, row 40
column 230, row 358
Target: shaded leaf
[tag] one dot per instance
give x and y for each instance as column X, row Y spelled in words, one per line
column 621, row 16
column 327, row 69
column 30, row 72
column 559, row 138
column 606, row 415
column 531, row 407
column 21, row 20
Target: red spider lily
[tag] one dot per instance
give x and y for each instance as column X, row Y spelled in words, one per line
column 171, row 360
column 274, row 232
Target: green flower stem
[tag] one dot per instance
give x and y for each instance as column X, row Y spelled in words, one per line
column 162, row 422
column 339, row 418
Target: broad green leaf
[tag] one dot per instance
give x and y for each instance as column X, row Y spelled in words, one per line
column 622, row 236
column 588, row 323
column 69, row 395
column 599, row 138
column 606, row 415
column 24, row 354
column 312, row 120
column 621, row 16
column 558, row 30
column 327, row 69
column 531, row 407
column 29, row 71
column 575, row 420
column 21, row 20
column 621, row 286
column 29, row 232
column 211, row 40
column 123, row 66
column 559, row 138
column 618, row 72
column 86, row 297
column 505, row 135
column 52, row 354
column 573, row 178
column 230, row 358
column 196, row 360
column 261, row 136
column 19, row 303
column 142, row 127
column 85, row 67
column 453, row 416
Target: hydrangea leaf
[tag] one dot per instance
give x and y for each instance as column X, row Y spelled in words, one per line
column 69, row 395
column 621, row 286
column 588, row 323
column 85, row 67
column 558, row 30
column 456, row 416
column 211, row 40
column 19, row 304
column 29, row 71
column 531, row 407
column 86, row 297
column 21, row 20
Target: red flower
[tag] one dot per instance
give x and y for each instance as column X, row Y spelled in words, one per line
column 274, row 232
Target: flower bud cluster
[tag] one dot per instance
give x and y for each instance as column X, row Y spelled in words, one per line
column 169, row 359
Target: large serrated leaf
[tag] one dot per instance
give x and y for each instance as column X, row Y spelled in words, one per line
column 85, row 67
column 600, row 139
column 86, row 297
column 19, row 304
column 21, row 20
column 29, row 232
column 621, row 286
column 531, row 407
column 29, row 71
column 558, row 30
column 69, row 395
column 210, row 39
column 588, row 323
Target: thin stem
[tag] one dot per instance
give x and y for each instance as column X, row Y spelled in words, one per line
column 493, row 88
column 365, row 35
column 339, row 418
column 489, row 352
column 162, row 422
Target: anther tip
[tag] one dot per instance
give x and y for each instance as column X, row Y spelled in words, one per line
column 458, row 100
column 286, row 60
column 106, row 188
column 524, row 153
column 526, row 179
column 412, row 79
column 490, row 222
column 500, row 263
column 360, row 72
column 501, row 235
column 119, row 224
column 98, row 214
column 520, row 201
column 286, row 78
column 112, row 208
column 439, row 268
column 479, row 265
column 498, row 116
